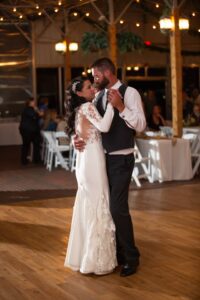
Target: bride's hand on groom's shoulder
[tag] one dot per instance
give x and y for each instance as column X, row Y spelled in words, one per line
column 78, row 143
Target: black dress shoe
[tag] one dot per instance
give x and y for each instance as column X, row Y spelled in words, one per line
column 128, row 270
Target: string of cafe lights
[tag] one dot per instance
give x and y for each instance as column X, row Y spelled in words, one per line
column 37, row 10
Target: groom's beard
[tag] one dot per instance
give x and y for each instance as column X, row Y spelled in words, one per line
column 103, row 84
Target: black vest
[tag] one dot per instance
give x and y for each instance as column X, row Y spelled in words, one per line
column 120, row 136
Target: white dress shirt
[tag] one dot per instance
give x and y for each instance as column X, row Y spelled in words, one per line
column 132, row 114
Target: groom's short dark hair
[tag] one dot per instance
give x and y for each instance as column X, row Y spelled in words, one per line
column 103, row 64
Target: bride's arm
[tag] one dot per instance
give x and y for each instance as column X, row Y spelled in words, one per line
column 101, row 123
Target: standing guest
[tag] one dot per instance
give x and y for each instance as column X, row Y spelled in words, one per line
column 30, row 131
column 118, row 145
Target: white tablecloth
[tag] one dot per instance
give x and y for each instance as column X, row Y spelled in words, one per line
column 9, row 134
column 168, row 160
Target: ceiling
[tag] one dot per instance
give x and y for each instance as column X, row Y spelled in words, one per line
column 28, row 10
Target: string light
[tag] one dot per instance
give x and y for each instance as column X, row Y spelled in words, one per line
column 154, row 27
column 89, row 71
column 87, row 14
column 136, row 68
column 56, row 10
column 199, row 30
column 75, row 14
column 83, row 73
column 193, row 14
column 121, row 21
column 20, row 16
column 14, row 9
column 157, row 5
column 1, row 19
column 137, row 24
column 128, row 68
column 59, row 3
column 37, row 6
column 39, row 13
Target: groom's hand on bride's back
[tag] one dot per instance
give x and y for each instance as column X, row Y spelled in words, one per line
column 78, row 143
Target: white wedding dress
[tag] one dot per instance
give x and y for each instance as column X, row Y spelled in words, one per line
column 91, row 245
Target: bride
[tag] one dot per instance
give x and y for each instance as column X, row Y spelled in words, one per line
column 91, row 245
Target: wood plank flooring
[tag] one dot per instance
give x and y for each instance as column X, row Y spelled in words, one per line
column 33, row 239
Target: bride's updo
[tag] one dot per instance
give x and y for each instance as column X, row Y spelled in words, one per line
column 73, row 101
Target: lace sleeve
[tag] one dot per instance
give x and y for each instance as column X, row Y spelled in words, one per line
column 101, row 123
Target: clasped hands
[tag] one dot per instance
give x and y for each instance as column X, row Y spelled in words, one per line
column 115, row 98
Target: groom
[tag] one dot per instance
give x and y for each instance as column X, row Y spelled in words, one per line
column 118, row 144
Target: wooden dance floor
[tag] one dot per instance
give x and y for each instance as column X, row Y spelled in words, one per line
column 33, row 240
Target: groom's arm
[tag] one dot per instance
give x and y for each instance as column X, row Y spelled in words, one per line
column 131, row 110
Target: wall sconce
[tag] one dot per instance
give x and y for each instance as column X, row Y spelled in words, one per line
column 61, row 47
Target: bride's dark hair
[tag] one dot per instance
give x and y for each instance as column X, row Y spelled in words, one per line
column 73, row 101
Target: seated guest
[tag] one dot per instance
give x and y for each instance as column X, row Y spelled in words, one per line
column 43, row 107
column 50, row 120
column 196, row 96
column 149, row 101
column 187, row 105
column 61, row 126
column 195, row 116
column 156, row 119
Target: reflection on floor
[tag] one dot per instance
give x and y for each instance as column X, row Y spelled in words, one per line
column 33, row 240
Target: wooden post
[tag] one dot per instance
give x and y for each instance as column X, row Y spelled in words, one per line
column 113, row 43
column 176, row 75
column 34, row 79
column 67, row 62
column 67, row 53
column 112, row 34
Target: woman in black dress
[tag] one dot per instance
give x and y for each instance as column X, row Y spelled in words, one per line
column 30, row 131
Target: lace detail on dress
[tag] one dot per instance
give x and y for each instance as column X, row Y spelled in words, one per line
column 84, row 128
column 90, row 123
column 90, row 111
column 102, row 239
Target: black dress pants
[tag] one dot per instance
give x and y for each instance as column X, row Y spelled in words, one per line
column 27, row 139
column 119, row 170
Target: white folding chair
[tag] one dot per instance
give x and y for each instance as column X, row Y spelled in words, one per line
column 46, row 147
column 52, row 149
column 191, row 137
column 141, row 168
column 62, row 145
column 195, row 154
